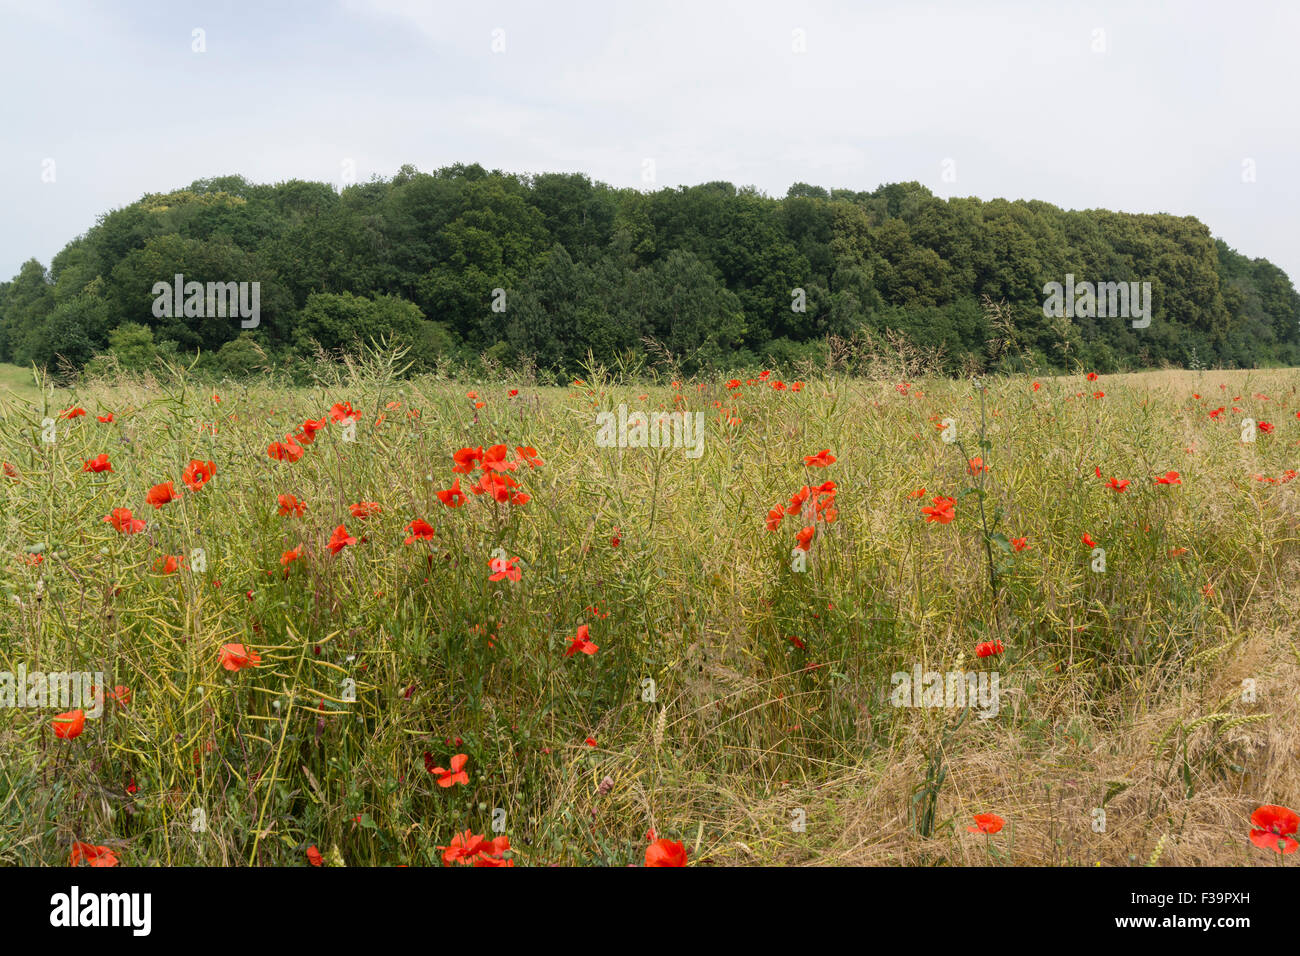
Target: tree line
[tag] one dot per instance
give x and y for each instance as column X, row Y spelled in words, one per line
column 470, row 265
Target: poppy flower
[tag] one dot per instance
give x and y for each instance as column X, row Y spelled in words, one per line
column 313, row 856
column 75, row 412
column 1169, row 478
column 1275, row 829
column 1117, row 485
column 1091, row 376
column 420, row 530
column 529, row 454
column 10, row 471
column 616, row 540
column 288, row 450
column 918, row 493
column 288, row 557
column 452, row 497
column 198, row 473
column 976, row 466
column 97, row 464
column 234, row 657
column 465, row 459
column 988, row 823
column 343, row 411
column 106, row 419
column 1265, row 427
column 1037, row 386
column 447, row 778
column 364, row 509
column 463, row 847
column 774, row 518
column 581, row 643
column 1021, row 544
column 160, row 495
column 665, row 852
column 989, row 649
column 1087, row 540
column 504, row 568
column 494, row 459
column 943, row 510
column 290, row 505
column 820, row 460
column 804, row 538
column 120, row 518
column 69, row 724
column 340, row 539
column 168, row 564
column 92, row 854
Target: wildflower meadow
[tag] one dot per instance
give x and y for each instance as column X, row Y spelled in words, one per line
column 887, row 618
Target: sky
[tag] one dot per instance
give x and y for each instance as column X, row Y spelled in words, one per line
column 1183, row 107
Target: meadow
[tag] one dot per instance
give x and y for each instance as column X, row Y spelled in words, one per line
column 386, row 620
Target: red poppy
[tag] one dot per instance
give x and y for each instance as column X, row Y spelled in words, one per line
column 1087, row 540
column 504, row 568
column 160, row 495
column 804, row 537
column 343, row 411
column 198, row 473
column 1265, row 427
column 1275, row 829
column 120, row 518
column 665, row 852
column 105, row 418
column 1117, row 485
column 288, row 557
column 288, row 450
column 234, row 657
column 1021, row 544
column 464, row 847
column 364, row 509
column 420, row 530
column 581, row 643
column 289, row 505
column 92, row 854
column 75, row 412
column 465, row 459
column 986, row 823
column 529, row 454
column 1169, row 478
column 340, row 539
column 447, row 778
column 1092, row 376
column 69, row 724
column 943, row 510
column 168, row 564
column 820, row 460
column 98, row 463
column 313, row 855
column 989, row 649
column 976, row 465
column 494, row 459
column 452, row 497
column 774, row 518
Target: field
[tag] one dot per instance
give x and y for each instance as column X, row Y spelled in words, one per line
column 731, row 691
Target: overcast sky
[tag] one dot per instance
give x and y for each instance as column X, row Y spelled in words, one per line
column 1141, row 107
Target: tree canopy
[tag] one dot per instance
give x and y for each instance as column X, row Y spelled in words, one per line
column 544, row 268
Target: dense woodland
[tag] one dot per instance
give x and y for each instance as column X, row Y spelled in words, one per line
column 705, row 273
